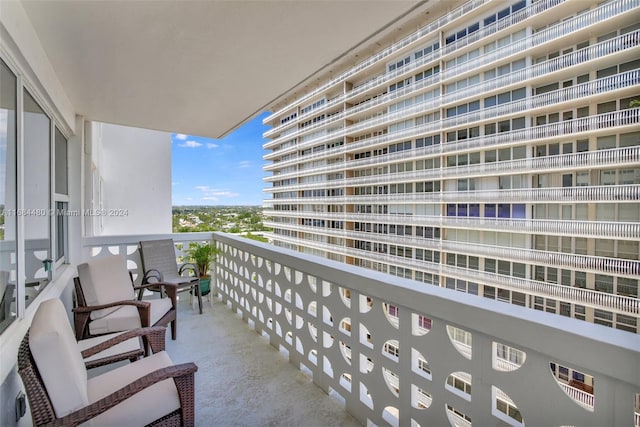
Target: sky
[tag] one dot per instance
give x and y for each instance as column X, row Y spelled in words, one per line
column 216, row 172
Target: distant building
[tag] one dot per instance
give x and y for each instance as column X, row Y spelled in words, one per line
column 494, row 150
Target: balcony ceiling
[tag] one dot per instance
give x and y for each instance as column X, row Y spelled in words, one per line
column 196, row 67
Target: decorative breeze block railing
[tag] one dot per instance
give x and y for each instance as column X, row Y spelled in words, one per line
column 404, row 353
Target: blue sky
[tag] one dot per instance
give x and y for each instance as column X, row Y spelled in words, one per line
column 225, row 171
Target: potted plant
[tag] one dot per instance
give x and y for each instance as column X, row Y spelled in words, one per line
column 202, row 255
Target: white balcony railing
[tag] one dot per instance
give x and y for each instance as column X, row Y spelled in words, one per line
column 424, row 32
column 608, row 47
column 272, row 289
column 598, row 123
column 601, row 193
column 575, row 228
column 616, row 157
column 628, row 306
column 512, row 19
column 594, row 264
column 525, row 13
column 606, row 11
column 456, row 420
column 581, row 56
column 505, row 365
column 584, row 399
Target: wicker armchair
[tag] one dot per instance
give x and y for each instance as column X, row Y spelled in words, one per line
column 149, row 391
column 106, row 300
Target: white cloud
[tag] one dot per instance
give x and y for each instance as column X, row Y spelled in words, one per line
column 190, row 144
column 181, row 136
column 212, row 194
column 174, row 183
column 245, row 164
column 212, row 145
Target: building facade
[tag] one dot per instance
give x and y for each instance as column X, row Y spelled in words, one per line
column 492, row 148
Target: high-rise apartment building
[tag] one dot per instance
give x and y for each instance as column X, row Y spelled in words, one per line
column 490, row 147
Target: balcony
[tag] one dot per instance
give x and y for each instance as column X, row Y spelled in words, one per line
column 594, row 264
column 574, row 228
column 242, row 380
column 576, row 161
column 601, row 194
column 580, row 57
column 600, row 123
column 301, row 305
column 429, row 30
column 600, row 300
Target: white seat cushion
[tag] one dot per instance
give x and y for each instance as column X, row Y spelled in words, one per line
column 144, row 407
column 127, row 317
column 57, row 357
column 132, row 344
column 159, row 307
column 105, row 280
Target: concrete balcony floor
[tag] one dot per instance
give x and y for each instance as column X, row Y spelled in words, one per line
column 244, row 381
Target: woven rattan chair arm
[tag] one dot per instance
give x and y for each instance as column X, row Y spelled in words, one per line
column 88, row 412
column 90, row 308
column 144, row 310
column 139, row 332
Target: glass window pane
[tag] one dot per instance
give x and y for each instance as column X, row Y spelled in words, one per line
column 61, row 164
column 37, row 130
column 519, row 211
column 504, row 210
column 8, row 144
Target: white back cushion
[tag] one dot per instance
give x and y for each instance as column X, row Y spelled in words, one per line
column 105, row 280
column 57, row 357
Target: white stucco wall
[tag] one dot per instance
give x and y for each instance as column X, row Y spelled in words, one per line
column 135, row 170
